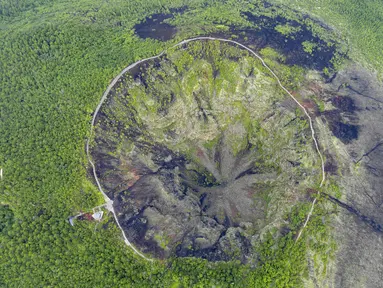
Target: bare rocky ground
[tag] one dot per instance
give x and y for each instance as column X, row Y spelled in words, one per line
column 352, row 133
column 360, row 256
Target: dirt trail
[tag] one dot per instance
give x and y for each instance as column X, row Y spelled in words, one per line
column 109, row 202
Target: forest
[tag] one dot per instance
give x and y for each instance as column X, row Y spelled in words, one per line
column 56, row 60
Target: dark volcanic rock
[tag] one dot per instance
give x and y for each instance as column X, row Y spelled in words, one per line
column 344, row 103
column 345, row 132
column 154, row 27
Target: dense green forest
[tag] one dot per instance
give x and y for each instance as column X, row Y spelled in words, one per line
column 56, row 59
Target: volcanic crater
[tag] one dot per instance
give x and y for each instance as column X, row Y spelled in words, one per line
column 202, row 153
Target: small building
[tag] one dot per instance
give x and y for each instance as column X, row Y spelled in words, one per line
column 98, row 215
